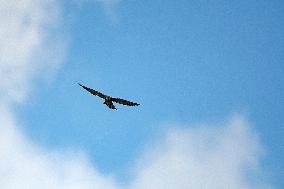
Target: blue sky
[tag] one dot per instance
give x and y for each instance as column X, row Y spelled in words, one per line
column 187, row 63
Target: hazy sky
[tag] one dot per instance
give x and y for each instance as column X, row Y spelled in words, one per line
column 209, row 76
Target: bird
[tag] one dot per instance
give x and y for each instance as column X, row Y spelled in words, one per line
column 108, row 100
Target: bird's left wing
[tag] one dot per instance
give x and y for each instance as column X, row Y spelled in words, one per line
column 94, row 92
column 124, row 102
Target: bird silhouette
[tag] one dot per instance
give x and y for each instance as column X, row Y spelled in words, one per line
column 108, row 99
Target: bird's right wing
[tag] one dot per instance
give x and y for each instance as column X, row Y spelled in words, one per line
column 124, row 102
column 94, row 92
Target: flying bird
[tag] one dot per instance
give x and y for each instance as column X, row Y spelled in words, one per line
column 108, row 99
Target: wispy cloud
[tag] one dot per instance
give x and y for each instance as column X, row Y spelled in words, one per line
column 109, row 7
column 196, row 157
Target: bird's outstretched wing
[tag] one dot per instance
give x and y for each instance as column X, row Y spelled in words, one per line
column 94, row 92
column 124, row 102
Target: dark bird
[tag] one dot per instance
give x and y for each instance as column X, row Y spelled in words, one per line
column 109, row 99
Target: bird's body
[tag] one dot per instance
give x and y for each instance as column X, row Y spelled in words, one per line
column 108, row 99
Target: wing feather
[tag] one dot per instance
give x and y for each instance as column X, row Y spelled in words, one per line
column 124, row 102
column 94, row 92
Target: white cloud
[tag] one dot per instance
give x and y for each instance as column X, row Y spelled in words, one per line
column 25, row 165
column 27, row 42
column 202, row 157
column 197, row 157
